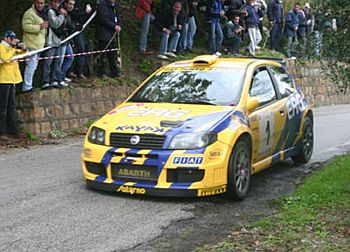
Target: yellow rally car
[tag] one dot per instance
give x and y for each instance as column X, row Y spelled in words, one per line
column 200, row 127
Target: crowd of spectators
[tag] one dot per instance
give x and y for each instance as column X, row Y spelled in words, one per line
column 230, row 25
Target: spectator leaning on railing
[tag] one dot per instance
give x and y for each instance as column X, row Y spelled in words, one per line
column 10, row 75
column 34, row 32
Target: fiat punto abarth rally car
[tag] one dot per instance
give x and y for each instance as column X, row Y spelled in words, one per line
column 200, row 127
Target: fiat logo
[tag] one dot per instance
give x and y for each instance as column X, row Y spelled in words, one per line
column 134, row 139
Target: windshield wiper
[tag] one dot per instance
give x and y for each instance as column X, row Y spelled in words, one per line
column 196, row 102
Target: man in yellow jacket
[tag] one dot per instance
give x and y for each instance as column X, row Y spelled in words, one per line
column 10, row 75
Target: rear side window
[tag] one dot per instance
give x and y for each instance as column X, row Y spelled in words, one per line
column 284, row 81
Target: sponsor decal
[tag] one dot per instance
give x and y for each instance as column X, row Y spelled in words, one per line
column 140, row 128
column 187, row 160
column 125, row 108
column 211, row 191
column 214, row 154
column 131, row 190
column 159, row 112
column 295, row 105
column 134, row 173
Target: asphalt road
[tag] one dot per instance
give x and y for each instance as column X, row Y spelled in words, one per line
column 45, row 206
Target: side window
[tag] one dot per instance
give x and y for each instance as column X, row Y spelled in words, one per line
column 284, row 81
column 262, row 87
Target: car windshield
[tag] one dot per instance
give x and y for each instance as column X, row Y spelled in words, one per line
column 210, row 86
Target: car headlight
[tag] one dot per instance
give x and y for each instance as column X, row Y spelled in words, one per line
column 192, row 140
column 97, row 136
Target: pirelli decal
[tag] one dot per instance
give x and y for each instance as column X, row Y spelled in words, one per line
column 211, row 191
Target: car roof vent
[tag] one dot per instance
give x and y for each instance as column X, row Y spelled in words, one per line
column 204, row 60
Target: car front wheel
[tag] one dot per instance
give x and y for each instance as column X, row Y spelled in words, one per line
column 239, row 172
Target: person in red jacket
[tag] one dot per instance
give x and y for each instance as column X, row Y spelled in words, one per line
column 144, row 13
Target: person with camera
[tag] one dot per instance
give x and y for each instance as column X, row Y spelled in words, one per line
column 56, row 17
column 233, row 35
column 34, row 32
column 10, row 75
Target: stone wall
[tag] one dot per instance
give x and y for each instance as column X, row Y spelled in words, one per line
column 71, row 109
column 317, row 88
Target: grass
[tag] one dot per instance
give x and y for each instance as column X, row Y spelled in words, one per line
column 315, row 218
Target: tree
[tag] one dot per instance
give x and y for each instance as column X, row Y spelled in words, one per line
column 336, row 43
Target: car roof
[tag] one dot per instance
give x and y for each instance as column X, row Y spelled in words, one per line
column 216, row 62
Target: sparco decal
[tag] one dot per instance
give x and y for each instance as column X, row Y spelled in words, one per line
column 159, row 112
column 140, row 128
column 131, row 190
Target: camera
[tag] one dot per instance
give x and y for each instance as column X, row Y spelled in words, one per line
column 20, row 45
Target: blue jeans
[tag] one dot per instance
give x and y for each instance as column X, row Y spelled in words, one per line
column 164, row 40
column 275, row 36
column 192, row 28
column 79, row 42
column 183, row 37
column 216, row 37
column 66, row 62
column 51, row 67
column 29, row 71
column 145, row 24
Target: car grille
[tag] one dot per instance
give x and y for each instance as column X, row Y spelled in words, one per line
column 147, row 141
column 134, row 173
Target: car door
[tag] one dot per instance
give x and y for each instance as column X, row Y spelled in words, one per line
column 267, row 121
column 294, row 106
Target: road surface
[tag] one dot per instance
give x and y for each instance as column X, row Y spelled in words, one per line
column 45, row 205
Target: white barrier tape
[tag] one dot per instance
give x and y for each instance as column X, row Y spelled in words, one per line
column 28, row 54
column 66, row 55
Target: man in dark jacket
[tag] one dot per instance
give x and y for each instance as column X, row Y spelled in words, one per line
column 107, row 26
column 292, row 25
column 301, row 33
column 236, row 8
column 79, row 15
column 215, row 12
column 275, row 15
column 169, row 24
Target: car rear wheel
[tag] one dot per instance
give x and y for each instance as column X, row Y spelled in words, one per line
column 239, row 172
column 307, row 144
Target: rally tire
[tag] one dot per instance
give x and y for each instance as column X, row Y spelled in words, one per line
column 307, row 143
column 239, row 172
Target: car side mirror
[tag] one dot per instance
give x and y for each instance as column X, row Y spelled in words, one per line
column 252, row 104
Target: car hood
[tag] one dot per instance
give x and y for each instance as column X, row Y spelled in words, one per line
column 165, row 118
